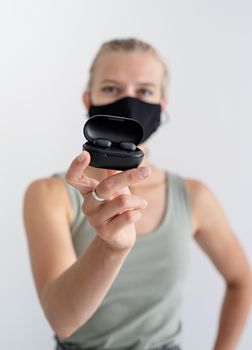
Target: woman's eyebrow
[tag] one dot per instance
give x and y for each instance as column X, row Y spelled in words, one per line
column 110, row 81
column 147, row 84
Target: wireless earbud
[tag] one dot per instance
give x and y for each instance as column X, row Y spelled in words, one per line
column 128, row 146
column 102, row 143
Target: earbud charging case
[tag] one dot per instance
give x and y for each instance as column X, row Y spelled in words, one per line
column 116, row 129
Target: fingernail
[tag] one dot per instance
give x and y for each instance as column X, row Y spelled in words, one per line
column 144, row 172
column 81, row 156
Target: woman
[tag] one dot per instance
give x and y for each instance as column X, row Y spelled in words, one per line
column 108, row 248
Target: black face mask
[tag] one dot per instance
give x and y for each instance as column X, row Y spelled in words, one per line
column 147, row 114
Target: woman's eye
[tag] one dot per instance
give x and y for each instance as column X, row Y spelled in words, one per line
column 145, row 92
column 109, row 89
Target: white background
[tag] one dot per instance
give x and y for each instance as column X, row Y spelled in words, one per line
column 46, row 49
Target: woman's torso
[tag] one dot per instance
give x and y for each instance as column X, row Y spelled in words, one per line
column 142, row 309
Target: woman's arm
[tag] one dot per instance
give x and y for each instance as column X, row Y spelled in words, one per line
column 70, row 289
column 214, row 235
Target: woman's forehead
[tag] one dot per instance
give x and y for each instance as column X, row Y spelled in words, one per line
column 129, row 66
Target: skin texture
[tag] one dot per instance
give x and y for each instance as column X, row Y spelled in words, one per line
column 70, row 289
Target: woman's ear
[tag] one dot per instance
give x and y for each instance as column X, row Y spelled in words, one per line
column 163, row 104
column 86, row 99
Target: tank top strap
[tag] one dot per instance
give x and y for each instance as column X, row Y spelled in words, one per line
column 179, row 201
column 76, row 200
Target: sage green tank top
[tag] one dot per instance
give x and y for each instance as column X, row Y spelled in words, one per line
column 142, row 310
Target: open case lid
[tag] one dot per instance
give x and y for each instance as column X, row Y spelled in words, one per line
column 113, row 128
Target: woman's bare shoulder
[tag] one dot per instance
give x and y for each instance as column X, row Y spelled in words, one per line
column 52, row 185
column 47, row 193
column 205, row 206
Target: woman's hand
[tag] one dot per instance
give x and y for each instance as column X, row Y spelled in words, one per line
column 114, row 218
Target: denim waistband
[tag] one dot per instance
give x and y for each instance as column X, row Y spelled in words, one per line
column 69, row 346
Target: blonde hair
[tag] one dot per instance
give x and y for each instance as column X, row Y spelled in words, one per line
column 128, row 45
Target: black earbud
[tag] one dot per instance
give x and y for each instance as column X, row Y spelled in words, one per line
column 128, row 146
column 102, row 143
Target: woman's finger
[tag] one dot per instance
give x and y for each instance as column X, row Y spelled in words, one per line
column 114, row 207
column 75, row 175
column 117, row 182
column 123, row 221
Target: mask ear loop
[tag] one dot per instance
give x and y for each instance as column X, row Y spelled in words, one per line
column 165, row 117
